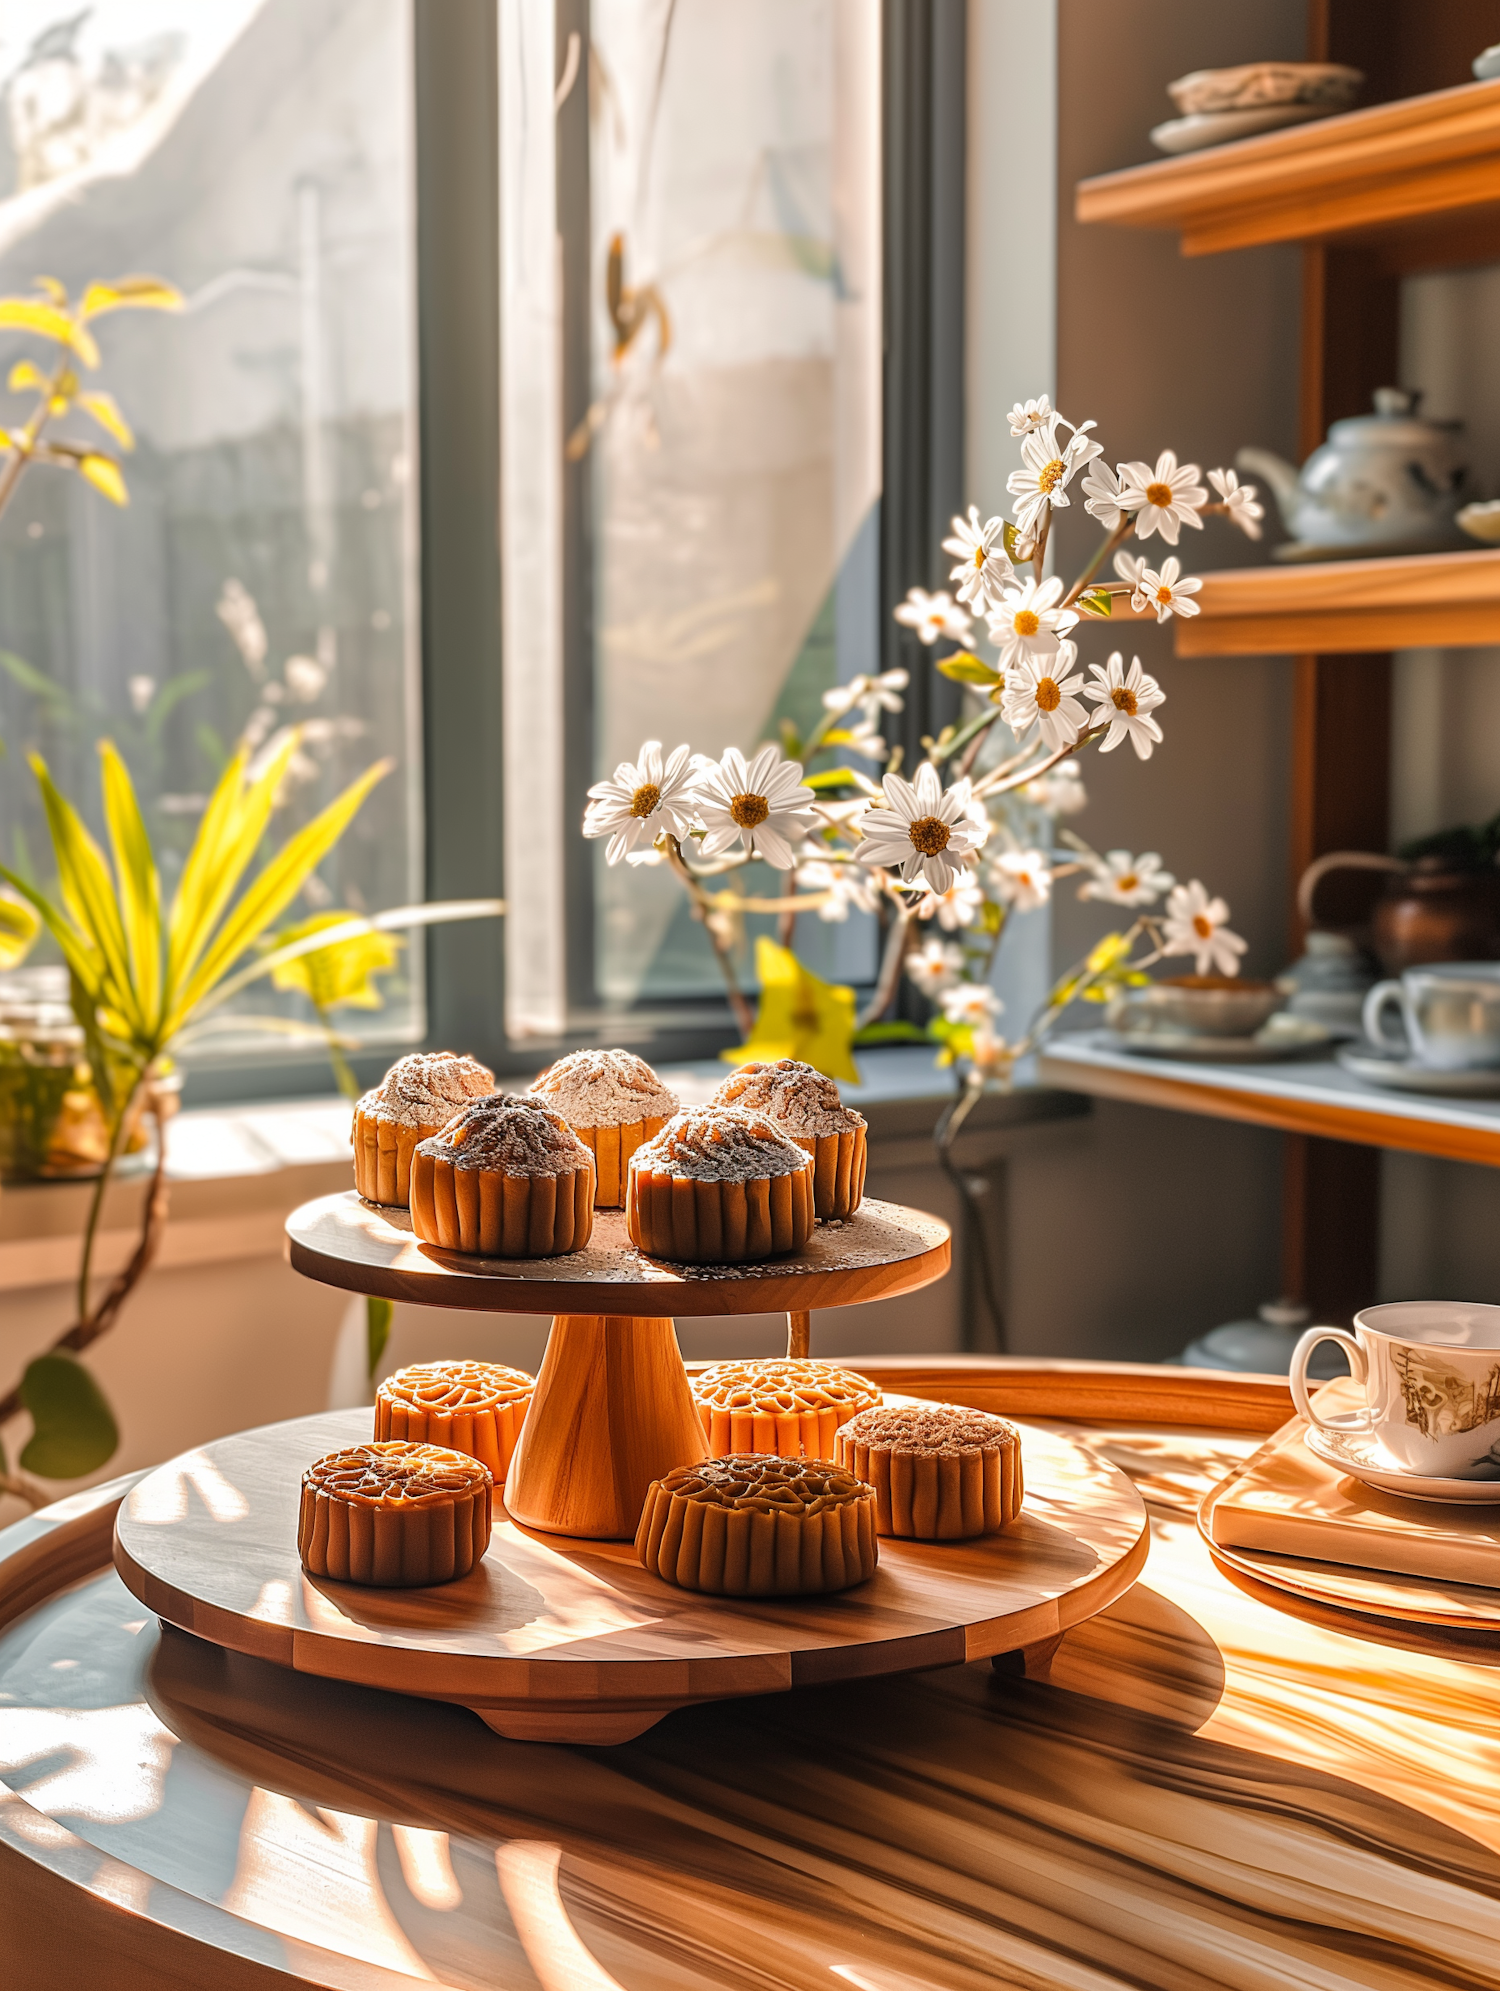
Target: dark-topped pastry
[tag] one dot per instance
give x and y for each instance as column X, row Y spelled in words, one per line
column 613, row 1101
column 472, row 1407
column 417, row 1096
column 757, row 1525
column 806, row 1105
column 940, row 1473
column 507, row 1178
column 717, row 1187
column 394, row 1515
column 789, row 1407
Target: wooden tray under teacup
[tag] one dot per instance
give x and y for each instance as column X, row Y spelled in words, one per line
column 552, row 1639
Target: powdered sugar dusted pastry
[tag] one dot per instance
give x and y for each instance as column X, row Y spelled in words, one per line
column 417, row 1096
column 940, row 1472
column 793, row 1408
column 394, row 1515
column 803, row 1103
column 719, row 1188
column 613, row 1101
column 507, row 1177
column 473, row 1407
column 756, row 1525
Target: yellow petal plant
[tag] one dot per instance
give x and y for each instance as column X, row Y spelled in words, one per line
column 142, row 976
column 800, row 1016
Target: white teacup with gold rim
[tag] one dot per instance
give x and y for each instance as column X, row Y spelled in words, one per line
column 1430, row 1372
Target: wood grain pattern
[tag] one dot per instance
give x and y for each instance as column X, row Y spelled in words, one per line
column 551, row 1639
column 1211, row 1791
column 881, row 1251
column 612, row 1412
column 1378, row 172
column 1391, row 602
column 1146, row 1084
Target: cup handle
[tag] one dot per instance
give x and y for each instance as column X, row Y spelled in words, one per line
column 1372, row 1018
column 1356, row 1420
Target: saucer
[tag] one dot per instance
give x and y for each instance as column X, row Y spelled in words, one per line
column 1362, row 1456
column 1407, row 1075
column 1200, row 128
column 1283, row 1037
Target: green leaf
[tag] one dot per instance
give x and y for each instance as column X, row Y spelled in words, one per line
column 73, row 1428
column 29, row 678
column 89, row 894
column 230, row 829
column 130, row 294
column 29, row 314
column 888, row 1033
column 1012, row 544
column 792, row 744
column 20, row 924
column 139, row 887
column 340, row 973
column 104, row 474
column 106, row 412
column 830, row 777
column 82, row 959
column 1097, row 601
column 966, row 668
column 169, row 696
column 378, row 1314
column 272, row 892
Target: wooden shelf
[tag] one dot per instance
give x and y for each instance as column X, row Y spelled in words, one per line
column 1419, row 179
column 1444, row 600
column 1297, row 1098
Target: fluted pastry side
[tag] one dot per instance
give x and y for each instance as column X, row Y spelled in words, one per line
column 789, row 1407
column 719, row 1187
column 394, row 1515
column 473, row 1407
column 506, row 1178
column 805, row 1104
column 614, row 1103
column 415, row 1100
column 757, row 1525
column 940, row 1473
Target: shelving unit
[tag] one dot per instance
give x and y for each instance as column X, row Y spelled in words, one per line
column 1411, row 182
column 1443, row 600
column 1417, row 182
column 1310, row 1098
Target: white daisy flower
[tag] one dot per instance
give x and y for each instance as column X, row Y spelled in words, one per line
column 935, row 966
column 1042, row 693
column 761, row 805
column 1130, row 567
column 849, row 887
column 1047, row 467
column 864, row 739
column 1239, row 501
column 973, row 1003
column 1166, row 591
column 1021, row 879
column 1060, row 791
column 1127, row 699
column 642, row 800
column 1195, row 925
column 934, row 615
column 955, row 908
column 929, row 831
column 1029, row 415
column 1124, row 880
column 875, row 694
column 983, row 571
column 1102, row 499
column 1028, row 622
column 1164, row 499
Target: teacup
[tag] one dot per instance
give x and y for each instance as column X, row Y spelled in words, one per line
column 1451, row 1011
column 1430, row 1371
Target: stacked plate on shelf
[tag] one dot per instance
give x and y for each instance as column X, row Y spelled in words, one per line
column 1219, row 105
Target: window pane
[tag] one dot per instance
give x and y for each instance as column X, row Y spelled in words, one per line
column 257, row 154
column 716, row 502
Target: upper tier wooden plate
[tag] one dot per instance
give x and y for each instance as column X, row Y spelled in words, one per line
column 552, row 1639
column 882, row 1250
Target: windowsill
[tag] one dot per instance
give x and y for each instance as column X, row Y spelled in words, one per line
column 236, row 1171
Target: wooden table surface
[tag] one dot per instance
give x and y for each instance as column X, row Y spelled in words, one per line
column 1209, row 1792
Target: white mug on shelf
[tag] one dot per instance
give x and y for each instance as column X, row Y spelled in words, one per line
column 1451, row 1012
column 1430, row 1371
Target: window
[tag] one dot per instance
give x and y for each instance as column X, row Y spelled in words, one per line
column 691, row 441
column 258, row 154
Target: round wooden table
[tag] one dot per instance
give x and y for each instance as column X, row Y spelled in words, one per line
column 1209, row 1790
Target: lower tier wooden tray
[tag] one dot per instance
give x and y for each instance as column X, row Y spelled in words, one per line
column 553, row 1639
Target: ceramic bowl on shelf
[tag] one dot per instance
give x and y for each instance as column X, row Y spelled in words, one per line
column 1203, row 128
column 1197, row 1006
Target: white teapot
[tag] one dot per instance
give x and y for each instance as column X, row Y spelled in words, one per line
column 1383, row 483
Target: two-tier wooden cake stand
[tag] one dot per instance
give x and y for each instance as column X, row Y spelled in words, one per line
column 560, row 1634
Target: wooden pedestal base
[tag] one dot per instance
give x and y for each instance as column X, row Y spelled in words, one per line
column 612, row 1412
